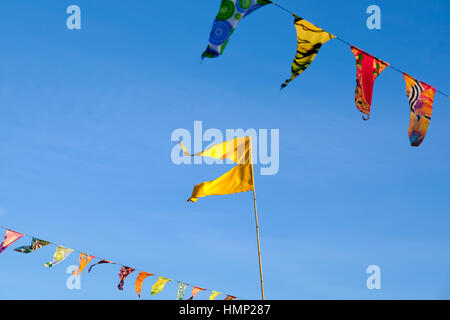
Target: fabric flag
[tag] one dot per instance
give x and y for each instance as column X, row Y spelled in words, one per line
column 123, row 274
column 421, row 97
column 181, row 290
column 35, row 245
column 368, row 68
column 159, row 285
column 140, row 280
column 100, row 262
column 230, row 13
column 10, row 238
column 195, row 291
column 61, row 253
column 214, row 295
column 230, row 298
column 237, row 150
column 310, row 39
column 238, row 179
column 84, row 261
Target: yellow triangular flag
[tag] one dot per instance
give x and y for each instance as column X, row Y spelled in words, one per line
column 214, row 295
column 159, row 285
column 237, row 150
column 238, row 179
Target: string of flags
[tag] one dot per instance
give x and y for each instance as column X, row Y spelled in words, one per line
column 310, row 39
column 61, row 253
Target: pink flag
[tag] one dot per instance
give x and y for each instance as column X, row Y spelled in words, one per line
column 10, row 238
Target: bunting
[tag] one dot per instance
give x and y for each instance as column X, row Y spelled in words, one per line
column 309, row 41
column 100, row 262
column 84, row 260
column 10, row 238
column 61, row 253
column 214, row 295
column 368, row 68
column 195, row 291
column 35, row 245
column 181, row 290
column 231, row 12
column 230, row 298
column 421, row 97
column 159, row 285
column 140, row 279
column 123, row 274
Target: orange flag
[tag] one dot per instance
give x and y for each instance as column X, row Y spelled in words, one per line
column 140, row 280
column 84, row 261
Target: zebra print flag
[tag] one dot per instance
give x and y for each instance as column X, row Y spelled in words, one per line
column 421, row 97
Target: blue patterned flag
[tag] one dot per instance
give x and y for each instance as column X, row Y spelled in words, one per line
column 230, row 13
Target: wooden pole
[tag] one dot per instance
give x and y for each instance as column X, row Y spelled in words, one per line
column 257, row 237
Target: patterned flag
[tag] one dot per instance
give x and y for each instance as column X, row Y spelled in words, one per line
column 140, row 280
column 10, row 238
column 61, row 253
column 230, row 13
column 159, row 285
column 214, row 295
column 368, row 68
column 310, row 39
column 195, row 291
column 181, row 290
column 100, row 262
column 35, row 245
column 230, row 298
column 123, row 274
column 84, row 261
column 421, row 97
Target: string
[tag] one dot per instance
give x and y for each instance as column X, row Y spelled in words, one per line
column 349, row 44
column 116, row 263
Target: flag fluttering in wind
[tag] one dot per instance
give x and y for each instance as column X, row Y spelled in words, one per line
column 214, row 295
column 230, row 13
column 61, row 253
column 238, row 179
column 123, row 274
column 368, row 68
column 159, row 285
column 195, row 291
column 140, row 280
column 421, row 97
column 181, row 289
column 310, row 39
column 230, row 298
column 10, row 237
column 84, row 260
column 35, row 245
column 100, row 262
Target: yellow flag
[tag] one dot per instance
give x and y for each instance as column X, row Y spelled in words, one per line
column 310, row 39
column 159, row 285
column 214, row 295
column 84, row 261
column 237, row 150
column 238, row 179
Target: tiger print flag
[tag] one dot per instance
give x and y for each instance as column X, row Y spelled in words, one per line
column 368, row 68
column 310, row 39
column 231, row 12
column 421, row 97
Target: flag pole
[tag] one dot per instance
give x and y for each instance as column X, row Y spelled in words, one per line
column 257, row 228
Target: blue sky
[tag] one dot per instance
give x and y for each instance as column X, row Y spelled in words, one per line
column 85, row 123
